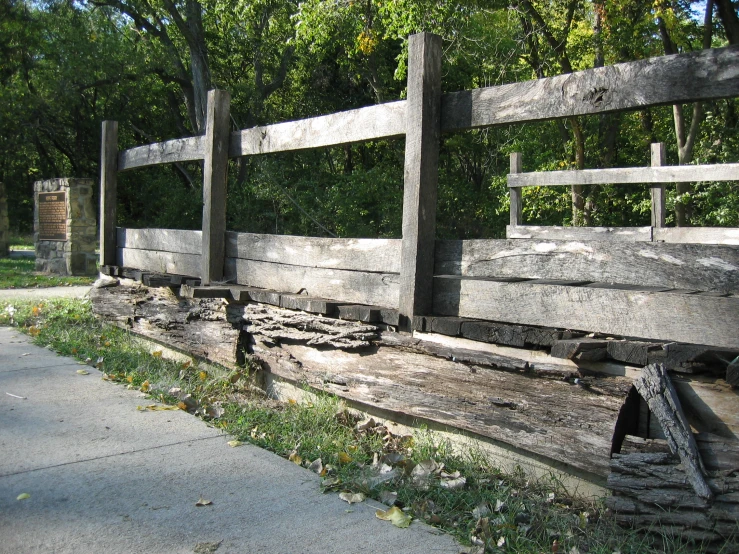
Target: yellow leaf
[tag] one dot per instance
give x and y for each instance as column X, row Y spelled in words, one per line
column 292, row 401
column 107, row 343
column 35, row 311
column 103, row 337
column 186, row 364
column 157, row 353
column 396, row 516
column 33, row 331
column 352, row 448
column 156, row 408
column 344, row 458
column 182, row 406
column 352, row 498
column 83, row 372
column 74, row 351
column 203, row 502
column 145, row 386
column 234, row 443
column 295, row 458
column 129, row 378
column 202, row 375
column 23, row 496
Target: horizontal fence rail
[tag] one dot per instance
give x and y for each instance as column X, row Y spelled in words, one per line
column 171, row 151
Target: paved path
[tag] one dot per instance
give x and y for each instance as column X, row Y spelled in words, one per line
column 44, row 292
column 104, row 477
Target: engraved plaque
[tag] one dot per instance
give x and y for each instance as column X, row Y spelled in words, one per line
column 52, row 215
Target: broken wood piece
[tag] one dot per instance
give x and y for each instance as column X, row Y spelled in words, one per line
column 188, row 291
column 359, row 312
column 655, row 387
column 582, row 349
column 308, row 304
column 631, row 351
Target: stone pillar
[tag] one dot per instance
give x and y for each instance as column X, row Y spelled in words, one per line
column 65, row 245
column 4, row 223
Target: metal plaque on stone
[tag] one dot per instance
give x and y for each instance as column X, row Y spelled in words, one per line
column 52, row 215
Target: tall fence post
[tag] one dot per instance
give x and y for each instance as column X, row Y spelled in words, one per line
column 658, row 189
column 217, row 133
column 516, row 192
column 423, row 130
column 108, row 192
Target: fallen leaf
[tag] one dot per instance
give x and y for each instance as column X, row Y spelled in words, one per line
column 186, row 364
column 501, row 542
column 234, row 443
column 107, row 343
column 344, row 458
column 316, row 466
column 35, row 311
column 83, row 372
column 295, row 458
column 396, row 516
column 99, row 363
column 453, row 484
column 156, row 408
column 388, row 497
column 182, row 406
column 157, row 353
column 292, row 401
column 481, row 511
column 206, row 547
column 23, row 496
column 74, row 351
column 33, row 331
column 203, row 502
column 352, row 498
column 145, row 386
column 330, row 483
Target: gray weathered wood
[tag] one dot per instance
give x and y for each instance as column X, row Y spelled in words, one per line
column 623, row 234
column 513, row 335
column 632, row 352
column 108, row 191
column 658, row 190
column 215, row 148
column 665, row 80
column 166, row 240
column 379, row 255
column 309, row 304
column 655, row 387
column 516, row 194
column 657, row 316
column 160, row 262
column 423, row 110
column 581, row 349
column 340, row 285
column 170, row 151
column 627, row 175
column 698, row 235
column 370, row 123
column 732, row 373
column 677, row 266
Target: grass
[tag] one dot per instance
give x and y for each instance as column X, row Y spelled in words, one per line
column 496, row 511
column 21, row 242
column 19, row 273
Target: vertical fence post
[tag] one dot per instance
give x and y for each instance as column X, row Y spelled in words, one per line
column 108, row 192
column 423, row 131
column 217, row 133
column 516, row 192
column 658, row 189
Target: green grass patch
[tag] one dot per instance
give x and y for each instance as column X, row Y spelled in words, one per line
column 19, row 273
column 463, row 493
column 21, row 242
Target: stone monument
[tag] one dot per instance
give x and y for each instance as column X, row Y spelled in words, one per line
column 65, row 227
column 4, row 223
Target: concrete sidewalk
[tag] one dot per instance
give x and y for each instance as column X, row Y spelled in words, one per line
column 105, row 477
column 76, row 291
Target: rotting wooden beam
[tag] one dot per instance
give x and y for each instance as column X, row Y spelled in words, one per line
column 655, row 387
column 108, row 192
column 214, row 185
column 423, row 112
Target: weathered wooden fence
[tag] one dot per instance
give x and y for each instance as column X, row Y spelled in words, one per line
column 677, row 292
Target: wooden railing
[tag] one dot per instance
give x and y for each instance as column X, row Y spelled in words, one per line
column 396, row 273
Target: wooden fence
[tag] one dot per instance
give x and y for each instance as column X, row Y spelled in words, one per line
column 493, row 280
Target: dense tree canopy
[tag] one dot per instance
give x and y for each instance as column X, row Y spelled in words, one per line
column 69, row 64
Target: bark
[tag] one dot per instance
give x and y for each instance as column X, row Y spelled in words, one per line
column 729, row 19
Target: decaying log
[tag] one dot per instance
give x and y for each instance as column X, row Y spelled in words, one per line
column 286, row 325
column 655, row 387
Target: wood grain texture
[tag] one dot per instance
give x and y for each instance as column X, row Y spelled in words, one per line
column 657, row 191
column 627, row 175
column 515, row 194
column 215, row 146
column 423, row 111
column 698, row 235
column 360, row 287
column 624, row 234
column 378, row 255
column 108, row 191
column 370, row 123
column 658, row 316
column 677, row 266
column 703, row 75
column 166, row 240
column 159, row 262
column 175, row 150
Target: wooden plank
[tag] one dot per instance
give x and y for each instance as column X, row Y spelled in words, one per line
column 308, row 304
column 626, row 175
column 622, row 234
column 582, row 349
column 676, row 266
column 166, row 240
column 657, row 191
column 170, row 151
column 380, row 255
column 703, row 75
column 340, row 285
column 215, row 148
column 656, row 316
column 632, row 352
column 423, row 110
column 370, row 123
column 698, row 235
column 655, row 387
column 159, row 262
column 108, row 191
column 516, row 194
column 513, row 335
